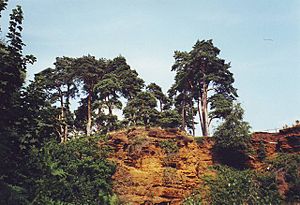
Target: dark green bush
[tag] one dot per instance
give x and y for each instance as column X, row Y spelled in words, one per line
column 169, row 146
column 193, row 199
column 289, row 164
column 76, row 172
column 261, row 152
column 169, row 119
column 242, row 187
column 234, row 133
column 232, row 140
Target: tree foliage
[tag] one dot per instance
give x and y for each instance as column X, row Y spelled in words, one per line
column 205, row 78
column 288, row 164
column 76, row 172
column 47, row 159
column 243, row 187
column 12, row 75
column 233, row 133
column 141, row 110
column 232, row 139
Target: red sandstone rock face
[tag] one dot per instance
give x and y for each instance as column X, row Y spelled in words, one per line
column 147, row 174
column 286, row 140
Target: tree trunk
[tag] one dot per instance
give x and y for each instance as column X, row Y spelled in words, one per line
column 161, row 105
column 193, row 123
column 89, row 114
column 204, row 110
column 200, row 115
column 109, row 107
column 65, row 132
column 67, row 106
column 183, row 115
column 62, row 118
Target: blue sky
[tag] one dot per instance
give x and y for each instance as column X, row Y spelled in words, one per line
column 147, row 32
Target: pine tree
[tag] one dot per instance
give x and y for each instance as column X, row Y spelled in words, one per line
column 59, row 84
column 206, row 78
column 141, row 110
column 89, row 71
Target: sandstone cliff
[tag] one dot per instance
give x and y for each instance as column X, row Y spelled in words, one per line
column 285, row 141
column 152, row 172
column 157, row 166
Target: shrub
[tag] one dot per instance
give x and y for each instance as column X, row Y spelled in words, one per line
column 261, row 152
column 200, row 140
column 242, row 187
column 234, row 133
column 170, row 119
column 289, row 164
column 76, row 172
column 136, row 146
column 232, row 139
column 169, row 146
column 193, row 199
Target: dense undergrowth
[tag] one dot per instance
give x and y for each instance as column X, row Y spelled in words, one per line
column 76, row 172
column 232, row 186
column 42, row 161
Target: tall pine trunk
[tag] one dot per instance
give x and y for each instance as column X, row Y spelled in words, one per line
column 193, row 123
column 200, row 115
column 161, row 105
column 89, row 113
column 67, row 111
column 62, row 118
column 204, row 110
column 183, row 115
column 109, row 105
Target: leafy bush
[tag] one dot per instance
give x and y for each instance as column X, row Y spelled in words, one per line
column 169, row 146
column 289, row 164
column 76, row 172
column 234, row 133
column 232, row 139
column 242, row 187
column 193, row 199
column 261, row 152
column 170, row 119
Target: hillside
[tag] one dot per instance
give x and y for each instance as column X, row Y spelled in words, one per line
column 157, row 166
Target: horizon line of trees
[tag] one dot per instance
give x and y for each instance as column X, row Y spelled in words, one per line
column 36, row 169
column 32, row 114
column 203, row 87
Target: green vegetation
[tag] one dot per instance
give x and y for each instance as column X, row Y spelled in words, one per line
column 140, row 110
column 288, row 165
column 194, row 199
column 169, row 119
column 204, row 79
column 234, row 133
column 232, row 139
column 231, row 186
column 261, row 152
column 200, row 140
column 76, row 172
column 136, row 145
column 50, row 153
column 242, row 187
column 169, row 146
